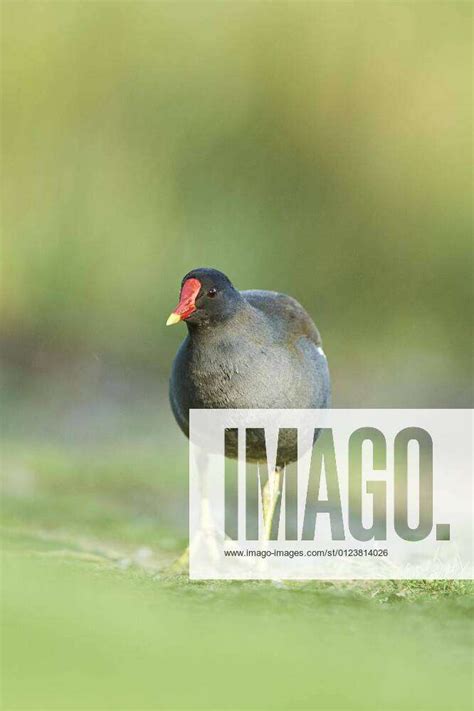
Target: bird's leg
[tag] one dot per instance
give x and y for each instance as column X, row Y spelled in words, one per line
column 181, row 564
column 271, row 492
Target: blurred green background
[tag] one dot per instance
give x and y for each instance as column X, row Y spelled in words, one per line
column 320, row 149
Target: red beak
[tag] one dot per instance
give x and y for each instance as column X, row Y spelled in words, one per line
column 187, row 301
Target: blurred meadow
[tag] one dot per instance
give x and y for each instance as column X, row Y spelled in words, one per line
column 322, row 149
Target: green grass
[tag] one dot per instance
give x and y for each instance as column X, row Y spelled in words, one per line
column 94, row 620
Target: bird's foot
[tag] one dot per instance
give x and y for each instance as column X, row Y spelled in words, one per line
column 180, row 566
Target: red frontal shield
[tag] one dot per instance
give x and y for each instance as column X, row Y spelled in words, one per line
column 187, row 298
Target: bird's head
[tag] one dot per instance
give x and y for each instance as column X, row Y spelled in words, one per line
column 207, row 297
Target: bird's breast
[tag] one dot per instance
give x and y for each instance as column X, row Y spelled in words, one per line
column 248, row 376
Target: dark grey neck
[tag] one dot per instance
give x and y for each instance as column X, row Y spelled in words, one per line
column 239, row 316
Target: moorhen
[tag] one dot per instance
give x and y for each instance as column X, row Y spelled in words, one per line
column 245, row 349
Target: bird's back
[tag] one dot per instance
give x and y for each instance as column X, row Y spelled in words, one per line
column 285, row 313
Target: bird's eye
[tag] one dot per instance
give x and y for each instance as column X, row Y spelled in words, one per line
column 212, row 292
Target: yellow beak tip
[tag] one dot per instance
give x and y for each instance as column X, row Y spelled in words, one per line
column 172, row 319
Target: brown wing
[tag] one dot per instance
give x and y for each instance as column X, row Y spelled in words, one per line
column 287, row 311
